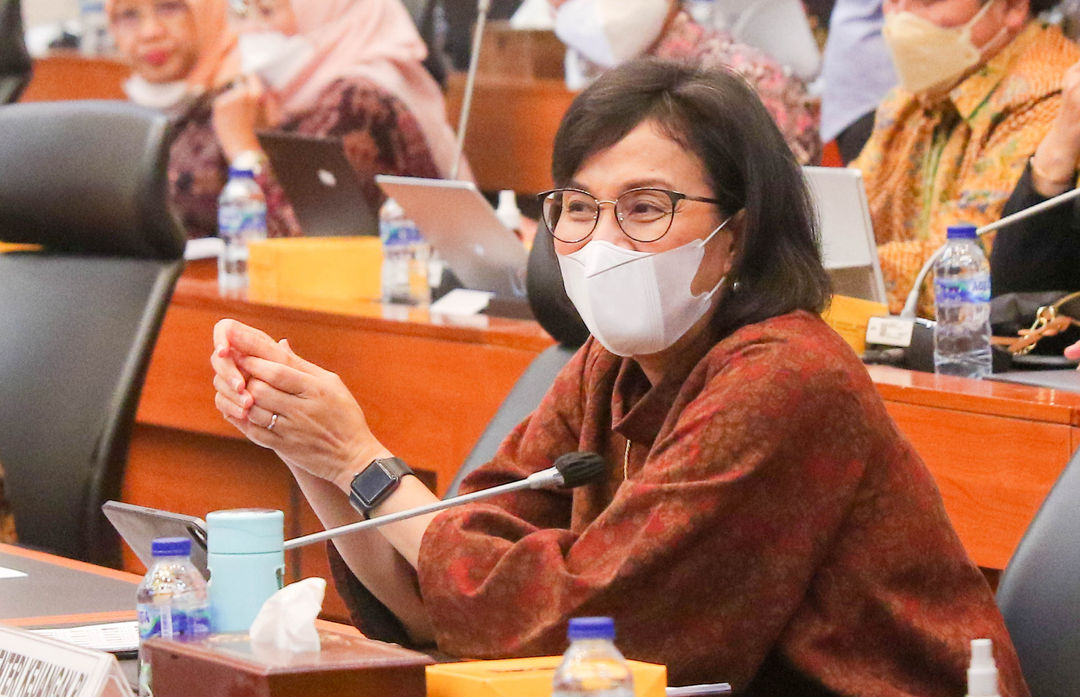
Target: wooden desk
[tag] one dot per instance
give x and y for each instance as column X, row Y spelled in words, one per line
column 64, row 75
column 429, row 389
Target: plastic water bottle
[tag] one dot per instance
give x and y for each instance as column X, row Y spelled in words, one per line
column 171, row 601
column 982, row 673
column 592, row 666
column 241, row 219
column 962, row 301
column 405, row 258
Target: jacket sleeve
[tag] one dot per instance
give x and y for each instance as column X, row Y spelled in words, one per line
column 1038, row 253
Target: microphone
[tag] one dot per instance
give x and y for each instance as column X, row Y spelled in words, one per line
column 568, row 472
column 912, row 300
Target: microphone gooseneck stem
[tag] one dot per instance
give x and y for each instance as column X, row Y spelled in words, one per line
column 913, row 297
column 409, row 513
column 1030, row 211
column 466, row 101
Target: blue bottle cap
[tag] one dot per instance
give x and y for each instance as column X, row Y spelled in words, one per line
column 245, row 531
column 965, row 231
column 591, row 628
column 241, row 172
column 171, row 547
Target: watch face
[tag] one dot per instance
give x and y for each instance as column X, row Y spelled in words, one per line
column 372, row 482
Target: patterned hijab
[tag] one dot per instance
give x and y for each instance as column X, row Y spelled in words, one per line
column 375, row 40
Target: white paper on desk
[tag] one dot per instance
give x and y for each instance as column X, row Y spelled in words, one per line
column 462, row 301
column 10, row 573
column 112, row 637
column 203, row 248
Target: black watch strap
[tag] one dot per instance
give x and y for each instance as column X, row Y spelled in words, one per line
column 375, row 482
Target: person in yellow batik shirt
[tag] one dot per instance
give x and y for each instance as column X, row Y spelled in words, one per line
column 980, row 84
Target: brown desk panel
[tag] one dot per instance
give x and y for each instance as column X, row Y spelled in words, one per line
column 429, row 390
column 64, row 75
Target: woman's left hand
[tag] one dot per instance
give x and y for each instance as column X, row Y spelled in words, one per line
column 319, row 426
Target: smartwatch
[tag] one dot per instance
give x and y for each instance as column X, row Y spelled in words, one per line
column 375, row 482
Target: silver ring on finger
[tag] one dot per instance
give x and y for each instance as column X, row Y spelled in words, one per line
column 273, row 422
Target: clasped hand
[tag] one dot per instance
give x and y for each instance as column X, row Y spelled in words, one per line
column 319, row 426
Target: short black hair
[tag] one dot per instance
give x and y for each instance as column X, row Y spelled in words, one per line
column 716, row 115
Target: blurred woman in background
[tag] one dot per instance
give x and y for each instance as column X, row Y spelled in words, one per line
column 321, row 68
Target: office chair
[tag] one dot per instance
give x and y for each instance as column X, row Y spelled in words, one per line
column 557, row 315
column 15, row 66
column 1039, row 592
column 79, row 317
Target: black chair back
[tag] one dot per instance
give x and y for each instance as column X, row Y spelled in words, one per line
column 79, row 317
column 557, row 315
column 15, row 65
column 1039, row 593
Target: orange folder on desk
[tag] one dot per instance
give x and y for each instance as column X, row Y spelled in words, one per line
column 524, row 677
column 335, row 268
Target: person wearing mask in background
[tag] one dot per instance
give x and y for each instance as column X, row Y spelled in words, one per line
column 604, row 33
column 335, row 68
column 1042, row 253
column 760, row 520
column 980, row 85
column 326, row 68
column 180, row 53
column 857, row 73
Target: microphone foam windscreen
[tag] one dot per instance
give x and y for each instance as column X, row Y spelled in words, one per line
column 579, row 468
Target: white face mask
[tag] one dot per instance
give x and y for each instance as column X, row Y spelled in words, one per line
column 274, row 57
column 637, row 303
column 928, row 57
column 170, row 97
column 609, row 32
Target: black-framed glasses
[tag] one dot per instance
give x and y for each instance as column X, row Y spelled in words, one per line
column 643, row 214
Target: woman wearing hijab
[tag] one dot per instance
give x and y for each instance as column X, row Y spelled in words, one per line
column 335, row 68
column 181, row 52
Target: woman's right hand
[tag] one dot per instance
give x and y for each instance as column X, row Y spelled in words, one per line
column 1056, row 159
column 237, row 113
column 278, row 400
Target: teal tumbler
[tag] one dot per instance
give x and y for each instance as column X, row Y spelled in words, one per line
column 246, row 558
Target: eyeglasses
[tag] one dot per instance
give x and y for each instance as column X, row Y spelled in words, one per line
column 644, row 214
column 130, row 16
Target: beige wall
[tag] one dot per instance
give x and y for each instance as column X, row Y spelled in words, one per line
column 37, row 12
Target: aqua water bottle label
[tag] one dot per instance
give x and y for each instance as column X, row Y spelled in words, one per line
column 173, row 623
column 235, row 221
column 954, row 291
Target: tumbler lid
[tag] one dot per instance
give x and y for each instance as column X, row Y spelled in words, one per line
column 245, row 531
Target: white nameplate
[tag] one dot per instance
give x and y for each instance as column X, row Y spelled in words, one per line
column 32, row 665
column 890, row 331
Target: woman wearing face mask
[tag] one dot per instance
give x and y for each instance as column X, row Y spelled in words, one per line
column 331, row 68
column 980, row 86
column 180, row 52
column 760, row 520
column 603, row 33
